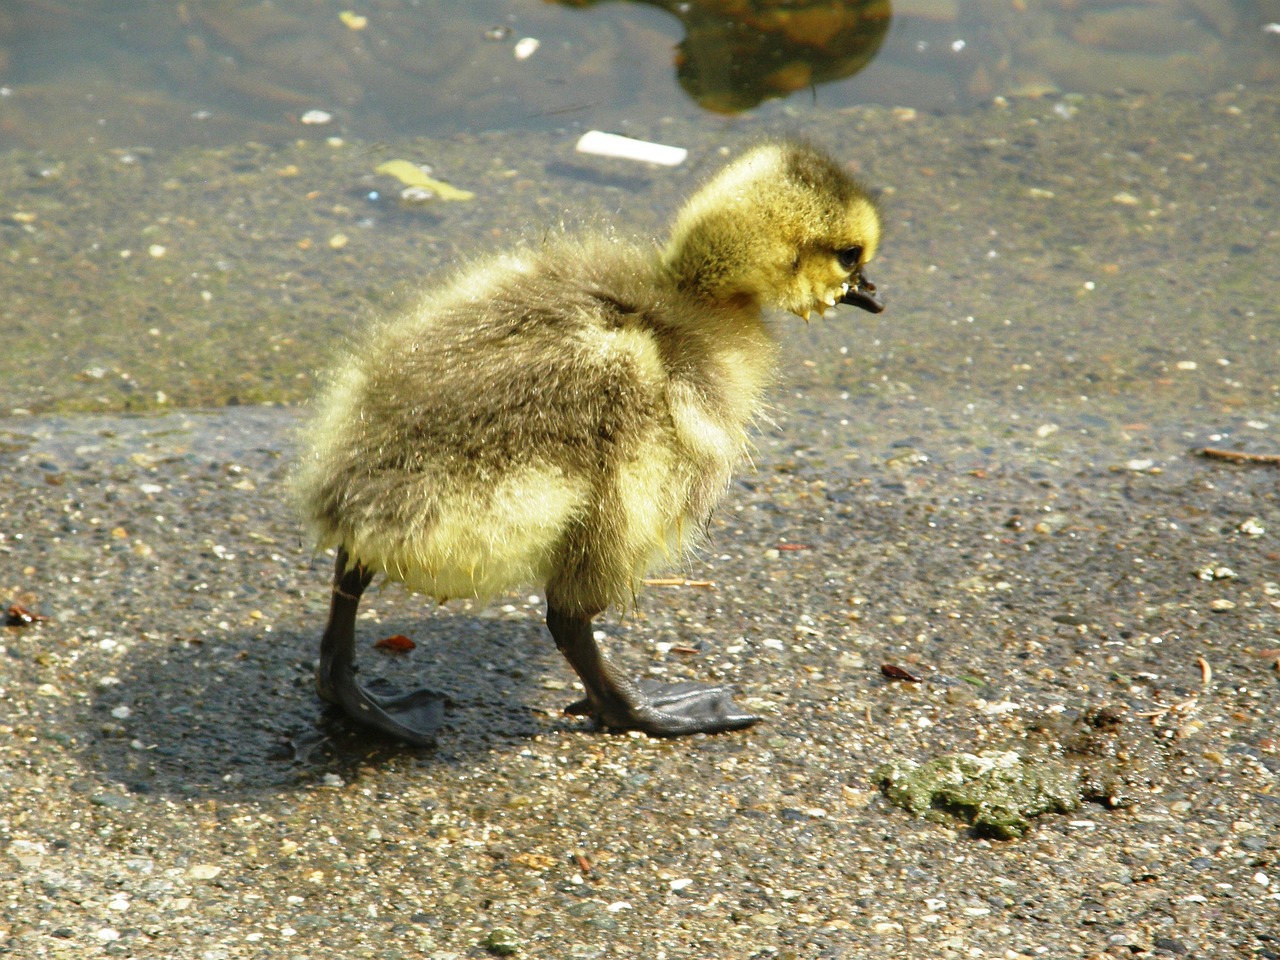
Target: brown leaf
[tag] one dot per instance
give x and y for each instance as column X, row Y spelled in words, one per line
column 397, row 643
column 17, row 616
column 895, row 672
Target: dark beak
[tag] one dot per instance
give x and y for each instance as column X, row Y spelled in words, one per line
column 863, row 294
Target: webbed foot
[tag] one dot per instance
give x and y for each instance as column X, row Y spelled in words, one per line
column 414, row 717
column 672, row 710
column 619, row 703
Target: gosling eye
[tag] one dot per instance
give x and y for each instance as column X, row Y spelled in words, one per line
column 849, row 257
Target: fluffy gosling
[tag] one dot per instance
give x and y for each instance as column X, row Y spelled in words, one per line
column 569, row 416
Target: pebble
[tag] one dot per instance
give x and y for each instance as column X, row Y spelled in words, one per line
column 1216, row 571
column 113, row 801
column 1252, row 527
column 416, row 196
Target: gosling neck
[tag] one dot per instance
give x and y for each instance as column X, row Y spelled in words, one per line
column 713, row 275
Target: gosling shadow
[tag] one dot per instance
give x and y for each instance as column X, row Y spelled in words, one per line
column 239, row 714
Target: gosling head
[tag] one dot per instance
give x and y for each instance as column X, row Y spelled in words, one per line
column 784, row 226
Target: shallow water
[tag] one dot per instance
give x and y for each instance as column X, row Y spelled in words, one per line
column 133, row 72
column 1078, row 252
column 1049, row 239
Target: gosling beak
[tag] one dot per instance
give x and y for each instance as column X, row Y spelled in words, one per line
column 863, row 295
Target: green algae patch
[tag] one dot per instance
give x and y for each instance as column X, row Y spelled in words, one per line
column 997, row 791
column 1061, row 762
column 502, row 942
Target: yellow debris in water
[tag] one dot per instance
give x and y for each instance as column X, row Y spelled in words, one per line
column 411, row 175
column 353, row 20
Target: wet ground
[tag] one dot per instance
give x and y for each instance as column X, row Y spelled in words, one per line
column 990, row 488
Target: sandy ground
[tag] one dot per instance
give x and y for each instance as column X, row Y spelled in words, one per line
column 990, row 487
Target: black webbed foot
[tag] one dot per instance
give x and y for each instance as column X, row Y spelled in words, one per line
column 658, row 709
column 414, row 717
column 673, row 710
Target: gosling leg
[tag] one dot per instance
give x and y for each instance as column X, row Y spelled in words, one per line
column 414, row 717
column 620, row 703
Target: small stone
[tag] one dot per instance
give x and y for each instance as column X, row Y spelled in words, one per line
column 1221, row 605
column 1252, row 527
column 203, row 871
column 416, row 196
column 1215, row 571
column 315, row 118
column 28, row 853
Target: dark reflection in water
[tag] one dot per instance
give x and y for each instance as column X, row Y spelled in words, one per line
column 736, row 54
column 131, row 73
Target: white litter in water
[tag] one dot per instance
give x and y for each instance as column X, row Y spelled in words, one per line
column 527, row 47
column 612, row 145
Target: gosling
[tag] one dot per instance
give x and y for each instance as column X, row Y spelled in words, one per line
column 569, row 416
